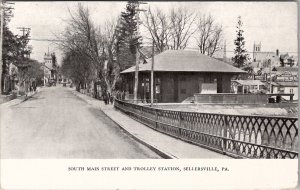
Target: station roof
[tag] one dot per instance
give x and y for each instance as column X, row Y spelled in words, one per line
column 185, row 61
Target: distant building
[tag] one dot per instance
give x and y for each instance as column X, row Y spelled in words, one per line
column 47, row 74
column 290, row 87
column 286, row 73
column 248, row 86
column 288, row 61
column 279, row 73
column 261, row 58
column 179, row 74
column 50, row 67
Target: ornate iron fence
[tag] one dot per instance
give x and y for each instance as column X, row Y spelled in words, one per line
column 238, row 136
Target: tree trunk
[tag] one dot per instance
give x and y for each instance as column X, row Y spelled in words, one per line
column 95, row 90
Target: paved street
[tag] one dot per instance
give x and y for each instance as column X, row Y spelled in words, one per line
column 55, row 123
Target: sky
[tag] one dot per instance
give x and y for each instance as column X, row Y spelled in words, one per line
column 274, row 24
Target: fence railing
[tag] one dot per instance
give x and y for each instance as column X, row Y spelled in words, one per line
column 139, row 101
column 238, row 136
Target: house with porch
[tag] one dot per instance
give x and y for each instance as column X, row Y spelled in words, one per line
column 248, row 86
column 179, row 74
column 286, row 87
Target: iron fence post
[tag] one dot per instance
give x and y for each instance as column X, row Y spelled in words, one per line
column 180, row 123
column 156, row 118
column 225, row 134
column 180, row 119
column 141, row 112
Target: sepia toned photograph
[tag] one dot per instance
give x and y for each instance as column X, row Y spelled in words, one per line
column 149, row 80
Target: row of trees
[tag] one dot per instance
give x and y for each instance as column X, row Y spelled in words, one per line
column 16, row 62
column 97, row 53
column 173, row 30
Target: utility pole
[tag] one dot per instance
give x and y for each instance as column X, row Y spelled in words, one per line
column 224, row 54
column 24, row 29
column 1, row 42
column 2, row 14
column 152, row 75
column 137, row 61
column 137, row 55
column 44, row 74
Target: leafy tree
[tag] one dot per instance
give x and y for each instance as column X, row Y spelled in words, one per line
column 15, row 48
column 34, row 71
column 241, row 56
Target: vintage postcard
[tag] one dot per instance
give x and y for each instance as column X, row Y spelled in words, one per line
column 149, row 95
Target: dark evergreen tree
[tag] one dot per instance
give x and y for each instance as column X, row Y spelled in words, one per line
column 241, row 56
column 128, row 38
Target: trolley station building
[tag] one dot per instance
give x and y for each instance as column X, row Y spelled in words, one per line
column 179, row 74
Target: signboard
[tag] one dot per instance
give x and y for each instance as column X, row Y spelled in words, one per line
column 209, row 88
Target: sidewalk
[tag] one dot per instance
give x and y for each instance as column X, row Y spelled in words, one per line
column 164, row 145
column 18, row 99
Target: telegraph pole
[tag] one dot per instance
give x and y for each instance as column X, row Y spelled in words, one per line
column 152, row 75
column 1, row 42
column 2, row 15
column 137, row 61
column 24, row 29
column 137, row 55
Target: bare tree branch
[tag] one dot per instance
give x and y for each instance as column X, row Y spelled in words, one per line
column 158, row 26
column 181, row 27
column 208, row 35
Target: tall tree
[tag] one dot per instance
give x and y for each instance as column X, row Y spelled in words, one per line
column 208, row 35
column 158, row 27
column 128, row 37
column 82, row 41
column 77, row 68
column 241, row 56
column 172, row 30
column 112, row 68
column 181, row 27
column 15, row 49
column 33, row 71
column 98, row 47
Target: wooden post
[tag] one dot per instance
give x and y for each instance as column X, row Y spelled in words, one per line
column 137, row 61
column 1, row 41
column 152, row 75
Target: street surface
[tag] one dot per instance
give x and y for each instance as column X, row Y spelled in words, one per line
column 55, row 123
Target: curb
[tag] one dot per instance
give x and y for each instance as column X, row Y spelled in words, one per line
column 161, row 153
column 20, row 99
